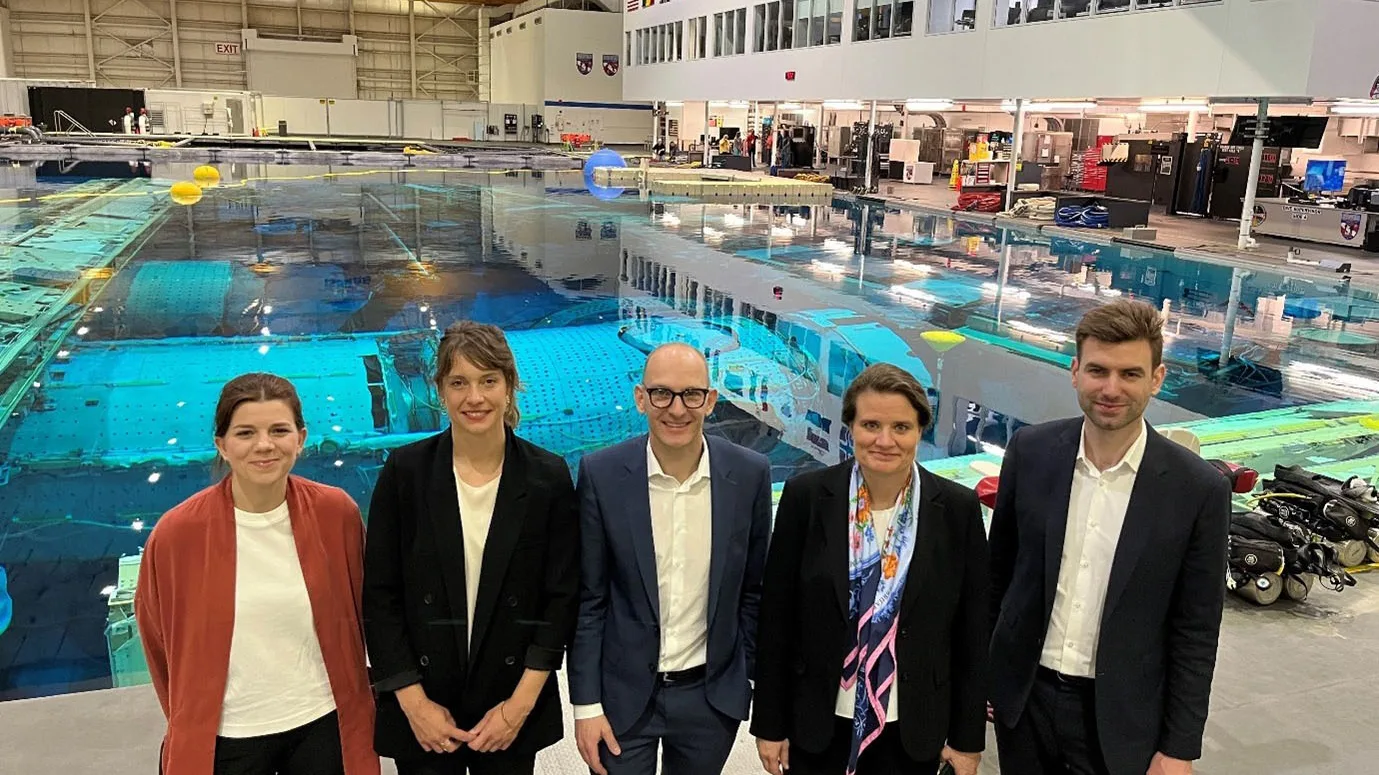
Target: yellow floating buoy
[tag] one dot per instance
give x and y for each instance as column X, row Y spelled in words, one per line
column 185, row 193
column 1371, row 422
column 206, row 175
column 943, row 341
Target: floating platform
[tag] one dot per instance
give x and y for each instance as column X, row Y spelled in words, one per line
column 718, row 185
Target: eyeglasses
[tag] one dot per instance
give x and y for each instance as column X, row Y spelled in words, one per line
column 662, row 398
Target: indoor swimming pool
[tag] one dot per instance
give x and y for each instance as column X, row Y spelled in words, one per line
column 122, row 314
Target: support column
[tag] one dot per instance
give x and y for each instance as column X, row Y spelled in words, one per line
column 1015, row 151
column 244, row 14
column 90, row 43
column 1252, row 183
column 1191, row 125
column 871, row 149
column 655, row 125
column 1228, row 330
column 176, row 45
column 412, row 42
column 708, row 158
column 351, row 2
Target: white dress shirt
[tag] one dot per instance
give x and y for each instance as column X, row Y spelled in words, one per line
column 1096, row 513
column 846, row 704
column 682, row 533
column 277, row 678
column 476, row 514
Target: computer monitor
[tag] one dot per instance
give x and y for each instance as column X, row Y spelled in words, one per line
column 1324, row 175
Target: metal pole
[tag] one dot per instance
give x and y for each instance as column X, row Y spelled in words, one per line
column 412, row 42
column 707, row 159
column 299, row 19
column 176, row 45
column 1015, row 151
column 351, row 16
column 90, row 43
column 1228, row 332
column 655, row 125
column 244, row 14
column 871, row 148
column 1252, row 183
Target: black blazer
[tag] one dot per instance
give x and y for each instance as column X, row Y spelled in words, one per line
column 941, row 648
column 1159, row 628
column 414, row 590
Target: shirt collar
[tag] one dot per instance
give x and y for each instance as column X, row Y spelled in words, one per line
column 1133, row 456
column 653, row 466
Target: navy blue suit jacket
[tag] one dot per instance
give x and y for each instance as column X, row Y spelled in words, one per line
column 616, row 651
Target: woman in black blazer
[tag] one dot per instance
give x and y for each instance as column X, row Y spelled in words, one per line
column 871, row 653
column 470, row 578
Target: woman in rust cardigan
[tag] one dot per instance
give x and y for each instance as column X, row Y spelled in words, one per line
column 249, row 607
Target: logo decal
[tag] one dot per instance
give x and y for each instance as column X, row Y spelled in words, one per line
column 584, row 63
column 1350, row 225
column 610, row 65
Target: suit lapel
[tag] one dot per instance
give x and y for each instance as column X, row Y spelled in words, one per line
column 1140, row 518
column 1063, row 459
column 639, row 524
column 722, row 486
column 929, row 539
column 509, row 514
column 444, row 509
column 834, row 510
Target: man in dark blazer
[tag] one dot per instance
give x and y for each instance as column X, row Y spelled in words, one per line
column 674, row 528
column 1108, row 555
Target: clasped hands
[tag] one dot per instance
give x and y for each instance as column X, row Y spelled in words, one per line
column 436, row 731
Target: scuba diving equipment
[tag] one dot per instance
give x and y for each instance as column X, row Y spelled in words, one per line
column 1342, row 512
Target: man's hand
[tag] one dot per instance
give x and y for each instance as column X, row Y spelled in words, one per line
column 1167, row 765
column 432, row 724
column 963, row 763
column 775, row 756
column 589, row 733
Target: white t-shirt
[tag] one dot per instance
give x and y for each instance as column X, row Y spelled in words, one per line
column 846, row 705
column 277, row 679
column 476, row 513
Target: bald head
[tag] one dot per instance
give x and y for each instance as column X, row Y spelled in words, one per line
column 676, row 362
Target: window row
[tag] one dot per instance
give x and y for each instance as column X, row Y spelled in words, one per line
column 1009, row 12
column 789, row 24
column 670, row 42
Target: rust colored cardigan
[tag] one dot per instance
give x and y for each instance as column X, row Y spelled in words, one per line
column 185, row 606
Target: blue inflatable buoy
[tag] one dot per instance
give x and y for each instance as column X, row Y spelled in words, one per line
column 603, row 157
column 6, row 604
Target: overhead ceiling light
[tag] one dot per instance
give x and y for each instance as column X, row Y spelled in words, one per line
column 842, row 104
column 1163, row 106
column 789, row 106
column 921, row 106
column 1356, row 109
column 1050, row 107
column 674, row 104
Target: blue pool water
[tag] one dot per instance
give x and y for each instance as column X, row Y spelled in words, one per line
column 122, row 314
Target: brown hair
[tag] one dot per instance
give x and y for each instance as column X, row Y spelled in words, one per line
column 255, row 386
column 484, row 346
column 887, row 378
column 1124, row 320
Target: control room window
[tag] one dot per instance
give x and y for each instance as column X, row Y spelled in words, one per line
column 741, row 31
column 951, row 15
column 835, row 22
column 679, row 40
column 1112, row 6
column 802, row 23
column 772, row 26
column 1153, row 3
column 1071, row 9
column 881, row 19
column 759, row 25
column 816, row 23
column 1010, row 12
column 904, row 18
column 861, row 29
column 1039, row 11
column 718, row 34
column 787, row 24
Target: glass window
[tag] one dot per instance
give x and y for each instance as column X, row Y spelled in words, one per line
column 1039, row 11
column 835, row 22
column 950, row 15
column 816, row 23
column 802, row 23
column 718, row 34
column 1069, row 9
column 861, row 29
column 881, row 20
column 730, row 25
column 1112, row 6
column 627, row 50
column 1010, row 12
column 772, row 26
column 703, row 37
column 759, row 21
column 904, row 18
column 787, row 24
column 679, row 40
column 741, row 31
column 1152, row 3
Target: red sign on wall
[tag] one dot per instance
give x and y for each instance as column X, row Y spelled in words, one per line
column 789, row 75
column 231, row 49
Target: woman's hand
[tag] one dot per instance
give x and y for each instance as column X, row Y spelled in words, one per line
column 498, row 728
column 775, row 756
column 963, row 763
column 432, row 724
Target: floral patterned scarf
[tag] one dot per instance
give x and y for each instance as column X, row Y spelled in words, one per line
column 876, row 580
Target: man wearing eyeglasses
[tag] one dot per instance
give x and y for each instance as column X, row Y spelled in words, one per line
column 674, row 528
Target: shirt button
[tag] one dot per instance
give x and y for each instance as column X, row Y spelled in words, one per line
column 1085, row 564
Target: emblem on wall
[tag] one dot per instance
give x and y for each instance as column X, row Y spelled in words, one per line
column 584, row 63
column 1350, row 225
column 1259, row 217
column 610, row 65
column 1374, row 90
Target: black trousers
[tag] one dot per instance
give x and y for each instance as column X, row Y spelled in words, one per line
column 311, row 749
column 497, row 763
column 1057, row 733
column 885, row 756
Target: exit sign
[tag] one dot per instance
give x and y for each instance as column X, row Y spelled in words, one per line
column 227, row 48
column 789, row 75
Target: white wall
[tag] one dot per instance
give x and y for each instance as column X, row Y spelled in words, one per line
column 184, row 111
column 6, row 45
column 518, row 51
column 301, row 68
column 1234, row 47
column 574, row 32
column 1345, row 59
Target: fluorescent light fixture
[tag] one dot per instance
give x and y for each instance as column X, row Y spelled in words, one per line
column 1050, row 107
column 1356, row 109
column 842, row 105
column 729, row 104
column 789, row 106
column 674, row 104
column 1164, row 106
column 920, row 106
